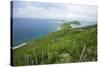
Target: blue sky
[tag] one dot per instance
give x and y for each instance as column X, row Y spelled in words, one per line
column 28, row 9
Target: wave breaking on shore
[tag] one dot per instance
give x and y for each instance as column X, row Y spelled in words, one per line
column 19, row 45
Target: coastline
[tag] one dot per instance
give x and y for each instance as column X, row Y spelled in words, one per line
column 58, row 27
column 24, row 43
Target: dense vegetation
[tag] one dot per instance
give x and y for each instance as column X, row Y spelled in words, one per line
column 63, row 46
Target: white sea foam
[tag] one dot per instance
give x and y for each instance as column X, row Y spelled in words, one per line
column 19, row 45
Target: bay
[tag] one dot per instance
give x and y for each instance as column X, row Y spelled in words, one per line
column 25, row 29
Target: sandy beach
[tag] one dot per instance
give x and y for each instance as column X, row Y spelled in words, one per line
column 58, row 28
column 19, row 45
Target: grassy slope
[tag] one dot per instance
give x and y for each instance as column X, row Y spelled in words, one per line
column 63, row 46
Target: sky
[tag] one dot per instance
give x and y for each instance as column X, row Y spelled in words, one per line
column 28, row 9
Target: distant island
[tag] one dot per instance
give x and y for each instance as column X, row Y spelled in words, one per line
column 66, row 45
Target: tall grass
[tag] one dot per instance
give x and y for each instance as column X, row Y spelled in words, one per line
column 63, row 46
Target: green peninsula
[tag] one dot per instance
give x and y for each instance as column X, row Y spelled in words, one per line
column 66, row 45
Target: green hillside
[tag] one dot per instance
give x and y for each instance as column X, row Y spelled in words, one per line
column 67, row 45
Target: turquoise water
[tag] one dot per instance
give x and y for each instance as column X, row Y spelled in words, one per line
column 25, row 29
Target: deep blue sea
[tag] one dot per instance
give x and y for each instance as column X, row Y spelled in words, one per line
column 25, row 29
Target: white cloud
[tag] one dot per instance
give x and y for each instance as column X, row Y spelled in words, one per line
column 39, row 12
column 65, row 11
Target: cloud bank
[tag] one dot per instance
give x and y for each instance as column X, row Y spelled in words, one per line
column 22, row 9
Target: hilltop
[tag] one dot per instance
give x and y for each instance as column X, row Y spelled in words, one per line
column 66, row 45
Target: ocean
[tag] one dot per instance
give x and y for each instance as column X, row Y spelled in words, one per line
column 26, row 29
